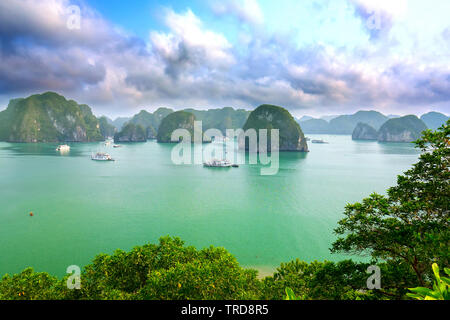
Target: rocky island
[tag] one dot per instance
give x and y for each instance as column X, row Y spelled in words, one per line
column 107, row 129
column 48, row 117
column 142, row 126
column 363, row 131
column 222, row 119
column 434, row 120
column 404, row 129
column 274, row 117
column 131, row 133
column 176, row 120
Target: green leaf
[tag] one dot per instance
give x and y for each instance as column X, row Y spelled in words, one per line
column 446, row 280
column 421, row 290
column 436, row 272
column 415, row 296
column 290, row 295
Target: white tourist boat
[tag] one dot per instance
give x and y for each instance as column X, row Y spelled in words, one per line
column 63, row 148
column 101, row 156
column 319, row 141
column 218, row 163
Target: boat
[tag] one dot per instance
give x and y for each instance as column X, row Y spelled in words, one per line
column 101, row 156
column 319, row 141
column 117, row 146
column 63, row 148
column 216, row 163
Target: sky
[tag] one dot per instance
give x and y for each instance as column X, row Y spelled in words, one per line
column 313, row 57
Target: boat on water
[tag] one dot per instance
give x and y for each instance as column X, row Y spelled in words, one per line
column 216, row 163
column 319, row 141
column 101, row 156
column 63, row 148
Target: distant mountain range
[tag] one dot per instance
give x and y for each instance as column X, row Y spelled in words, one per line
column 346, row 124
column 50, row 117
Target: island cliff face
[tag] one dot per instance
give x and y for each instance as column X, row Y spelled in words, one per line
column 48, row 117
column 364, row 132
column 131, row 133
column 405, row 129
column 106, row 128
column 274, row 117
column 176, row 120
column 151, row 121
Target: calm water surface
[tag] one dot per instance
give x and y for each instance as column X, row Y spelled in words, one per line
column 84, row 207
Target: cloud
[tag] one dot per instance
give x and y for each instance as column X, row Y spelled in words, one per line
column 189, row 46
column 247, row 11
column 39, row 53
column 190, row 65
column 378, row 16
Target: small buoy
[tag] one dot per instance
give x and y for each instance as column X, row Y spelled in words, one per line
column 31, row 214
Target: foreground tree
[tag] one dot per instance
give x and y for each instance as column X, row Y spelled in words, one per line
column 410, row 225
column 168, row 270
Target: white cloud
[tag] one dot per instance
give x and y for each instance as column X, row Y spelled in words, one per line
column 189, row 65
column 248, row 11
column 188, row 44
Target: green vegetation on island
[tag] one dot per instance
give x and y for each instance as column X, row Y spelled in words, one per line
column 176, row 120
column 150, row 122
column 349, row 124
column 434, row 120
column 404, row 129
column 48, row 117
column 364, row 131
column 131, row 133
column 222, row 119
column 274, row 117
column 120, row 122
column 146, row 121
column 106, row 128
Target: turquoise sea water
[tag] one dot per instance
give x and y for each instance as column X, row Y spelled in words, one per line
column 82, row 207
